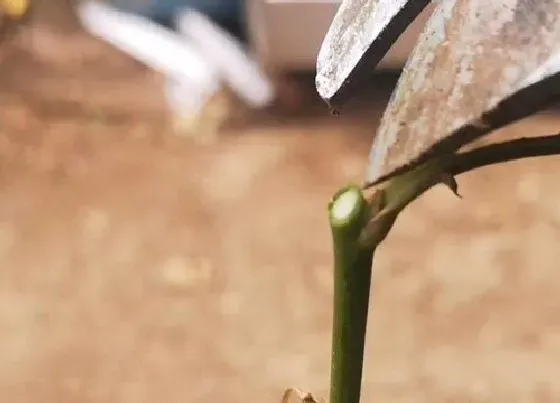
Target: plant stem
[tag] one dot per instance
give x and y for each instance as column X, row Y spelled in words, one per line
column 511, row 150
column 348, row 216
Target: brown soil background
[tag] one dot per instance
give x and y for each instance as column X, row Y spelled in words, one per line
column 138, row 266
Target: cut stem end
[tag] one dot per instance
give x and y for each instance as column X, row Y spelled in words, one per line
column 346, row 207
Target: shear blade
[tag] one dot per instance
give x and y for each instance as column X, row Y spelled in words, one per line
column 360, row 35
column 478, row 66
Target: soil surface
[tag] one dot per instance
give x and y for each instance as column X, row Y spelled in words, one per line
column 138, row 266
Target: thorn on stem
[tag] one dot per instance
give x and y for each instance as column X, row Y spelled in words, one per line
column 450, row 181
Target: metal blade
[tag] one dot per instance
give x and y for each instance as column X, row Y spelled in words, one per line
column 478, row 66
column 360, row 35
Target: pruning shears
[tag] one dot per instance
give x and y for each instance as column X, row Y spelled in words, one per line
column 478, row 66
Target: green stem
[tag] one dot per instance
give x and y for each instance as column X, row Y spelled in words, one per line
column 348, row 216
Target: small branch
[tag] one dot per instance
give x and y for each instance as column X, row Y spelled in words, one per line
column 405, row 188
column 512, row 150
column 507, row 151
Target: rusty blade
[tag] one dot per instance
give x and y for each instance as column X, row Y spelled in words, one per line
column 478, row 66
column 360, row 35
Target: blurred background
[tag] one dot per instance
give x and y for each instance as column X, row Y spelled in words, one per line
column 163, row 231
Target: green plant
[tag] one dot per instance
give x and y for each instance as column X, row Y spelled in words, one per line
column 477, row 67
